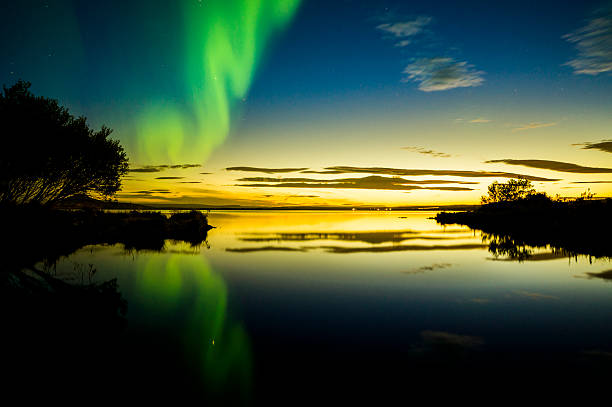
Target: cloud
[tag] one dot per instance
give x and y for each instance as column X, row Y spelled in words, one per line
column 152, row 191
column 404, row 30
column 146, row 169
column 594, row 45
column 371, row 182
column 322, row 172
column 397, row 179
column 265, row 170
column 192, row 200
column 427, row 152
column 403, row 43
column 442, row 73
column 554, row 166
column 190, row 182
column 169, row 177
column 533, row 125
column 184, row 166
column 415, row 172
column 283, row 198
column 481, row 120
column 267, row 179
column 163, row 167
column 604, row 145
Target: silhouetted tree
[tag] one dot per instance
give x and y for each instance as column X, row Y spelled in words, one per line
column 49, row 155
column 513, row 190
column 586, row 195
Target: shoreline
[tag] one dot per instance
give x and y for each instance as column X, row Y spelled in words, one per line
column 579, row 227
column 42, row 234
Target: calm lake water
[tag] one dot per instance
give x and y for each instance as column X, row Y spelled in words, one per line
column 306, row 301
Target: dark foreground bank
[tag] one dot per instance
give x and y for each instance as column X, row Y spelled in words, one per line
column 42, row 234
column 61, row 337
column 579, row 227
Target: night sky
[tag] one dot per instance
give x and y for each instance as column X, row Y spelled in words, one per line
column 288, row 102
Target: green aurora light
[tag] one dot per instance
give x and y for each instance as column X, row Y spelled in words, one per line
column 224, row 44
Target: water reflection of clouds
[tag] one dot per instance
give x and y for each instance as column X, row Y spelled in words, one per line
column 480, row 300
column 370, row 249
column 376, row 241
column 446, row 346
column 437, row 338
column 372, row 237
column 534, row 295
column 423, row 269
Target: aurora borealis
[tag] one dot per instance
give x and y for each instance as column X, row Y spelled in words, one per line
column 224, row 44
column 272, row 102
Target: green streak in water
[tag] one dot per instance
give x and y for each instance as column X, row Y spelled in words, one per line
column 182, row 293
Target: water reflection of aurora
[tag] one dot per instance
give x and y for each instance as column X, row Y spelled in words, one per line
column 185, row 293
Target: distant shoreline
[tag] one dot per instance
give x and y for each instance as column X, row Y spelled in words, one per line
column 90, row 203
column 306, row 208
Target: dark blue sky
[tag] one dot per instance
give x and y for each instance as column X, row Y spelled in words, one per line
column 94, row 53
column 334, row 48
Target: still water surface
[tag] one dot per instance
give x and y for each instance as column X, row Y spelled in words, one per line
column 290, row 299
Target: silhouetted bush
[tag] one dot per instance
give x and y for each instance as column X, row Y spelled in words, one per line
column 577, row 227
column 513, row 190
column 48, row 155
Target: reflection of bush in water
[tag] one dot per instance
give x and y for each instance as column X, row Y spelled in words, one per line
column 54, row 332
column 579, row 227
column 38, row 296
column 505, row 246
column 57, row 233
column 178, row 325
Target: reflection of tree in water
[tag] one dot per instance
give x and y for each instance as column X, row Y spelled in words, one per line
column 56, row 332
column 578, row 228
column 505, row 246
column 42, row 297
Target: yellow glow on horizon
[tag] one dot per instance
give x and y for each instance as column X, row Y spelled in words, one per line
column 218, row 189
column 330, row 141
